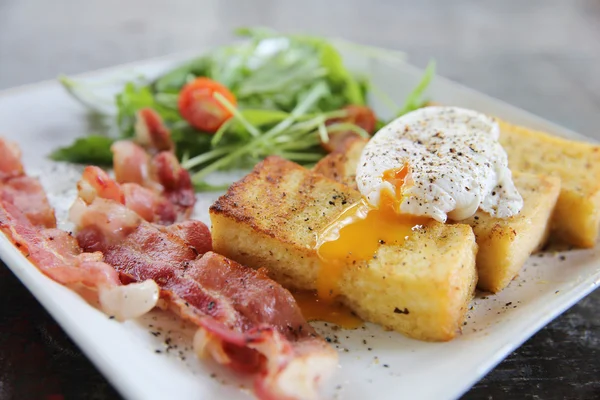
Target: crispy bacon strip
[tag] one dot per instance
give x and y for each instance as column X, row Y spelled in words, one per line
column 151, row 132
column 27, row 219
column 10, row 160
column 151, row 163
column 55, row 251
column 131, row 164
column 21, row 190
column 57, row 254
column 27, row 193
column 162, row 175
column 246, row 320
column 145, row 202
column 176, row 182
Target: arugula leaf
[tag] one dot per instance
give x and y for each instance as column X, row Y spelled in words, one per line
column 93, row 149
column 129, row 101
column 132, row 99
column 415, row 100
column 258, row 32
column 339, row 75
column 297, row 65
column 209, row 187
column 287, row 88
column 259, row 118
column 174, row 80
column 189, row 140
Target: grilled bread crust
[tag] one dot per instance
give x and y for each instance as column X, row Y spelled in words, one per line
column 271, row 217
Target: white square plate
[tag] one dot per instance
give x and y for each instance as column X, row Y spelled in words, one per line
column 373, row 363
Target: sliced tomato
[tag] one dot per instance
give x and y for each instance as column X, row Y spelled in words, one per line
column 200, row 108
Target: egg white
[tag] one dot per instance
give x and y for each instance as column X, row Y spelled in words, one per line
column 455, row 165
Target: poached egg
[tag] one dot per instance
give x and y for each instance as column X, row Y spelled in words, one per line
column 435, row 163
column 439, row 162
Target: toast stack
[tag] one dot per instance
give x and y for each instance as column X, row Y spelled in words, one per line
column 271, row 217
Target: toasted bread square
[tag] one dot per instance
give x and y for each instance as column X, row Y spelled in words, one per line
column 576, row 219
column 340, row 165
column 504, row 244
column 271, row 217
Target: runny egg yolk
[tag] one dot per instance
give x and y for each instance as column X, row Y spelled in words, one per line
column 356, row 234
column 316, row 309
column 397, row 177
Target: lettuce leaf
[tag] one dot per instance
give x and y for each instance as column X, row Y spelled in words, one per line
column 132, row 99
column 94, row 149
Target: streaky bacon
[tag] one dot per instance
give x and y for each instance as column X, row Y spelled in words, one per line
column 28, row 221
column 246, row 320
column 28, row 194
column 151, row 163
column 22, row 190
column 149, row 205
column 151, row 132
column 95, row 182
column 10, row 160
column 176, row 182
column 57, row 254
column 194, row 233
column 131, row 164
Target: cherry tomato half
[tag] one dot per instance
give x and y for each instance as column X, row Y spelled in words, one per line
column 200, row 108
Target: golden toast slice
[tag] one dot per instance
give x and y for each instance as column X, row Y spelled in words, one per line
column 576, row 218
column 504, row 244
column 270, row 219
column 340, row 165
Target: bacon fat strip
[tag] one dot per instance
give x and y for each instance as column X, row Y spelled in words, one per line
column 28, row 221
column 57, row 254
column 246, row 320
column 151, row 132
column 146, row 203
column 22, row 190
column 162, row 175
column 151, row 163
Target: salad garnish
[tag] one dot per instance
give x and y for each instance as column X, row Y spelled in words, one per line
column 273, row 94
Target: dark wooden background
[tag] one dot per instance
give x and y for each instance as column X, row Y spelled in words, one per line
column 541, row 55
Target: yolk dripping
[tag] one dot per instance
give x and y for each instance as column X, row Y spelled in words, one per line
column 397, row 177
column 315, row 309
column 357, row 233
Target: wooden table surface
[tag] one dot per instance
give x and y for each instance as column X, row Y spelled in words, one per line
column 541, row 55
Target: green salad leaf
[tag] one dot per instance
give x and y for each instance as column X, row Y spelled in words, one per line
column 415, row 99
column 290, row 91
column 132, row 99
column 94, row 149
